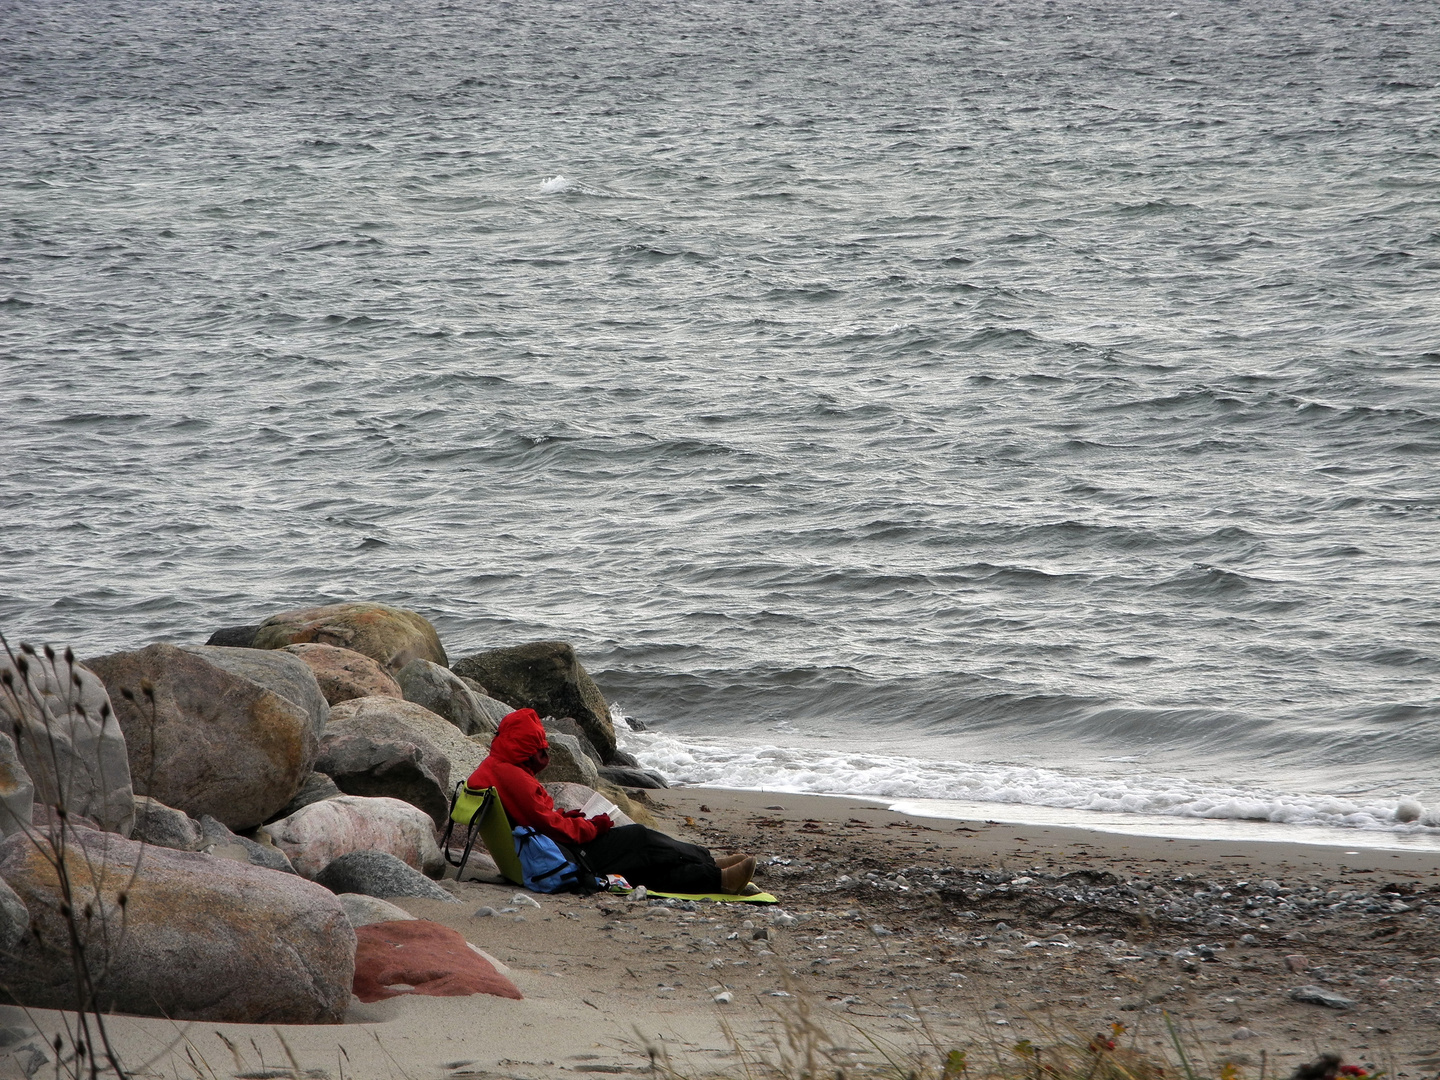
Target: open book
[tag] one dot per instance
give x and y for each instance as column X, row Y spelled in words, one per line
column 599, row 804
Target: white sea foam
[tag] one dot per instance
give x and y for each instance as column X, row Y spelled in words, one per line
column 555, row 185
column 730, row 763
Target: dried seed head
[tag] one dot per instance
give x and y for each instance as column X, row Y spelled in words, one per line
column 22, row 665
column 127, row 693
column 69, row 656
column 49, row 654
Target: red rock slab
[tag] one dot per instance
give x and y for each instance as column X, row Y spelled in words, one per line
column 425, row 957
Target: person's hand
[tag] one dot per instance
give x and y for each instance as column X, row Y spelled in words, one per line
column 572, row 813
column 602, row 824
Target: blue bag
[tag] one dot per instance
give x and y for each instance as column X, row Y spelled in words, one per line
column 544, row 865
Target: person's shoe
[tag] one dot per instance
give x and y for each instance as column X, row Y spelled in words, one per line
column 729, row 860
column 736, row 877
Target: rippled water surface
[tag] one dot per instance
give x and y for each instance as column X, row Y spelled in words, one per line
column 1051, row 386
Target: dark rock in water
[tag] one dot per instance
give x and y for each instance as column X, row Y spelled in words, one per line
column 344, row 674
column 545, row 676
column 68, row 742
column 568, row 725
column 233, row 732
column 234, row 637
column 200, row 938
column 378, row 873
column 390, row 636
column 621, row 758
column 635, row 778
column 316, row 788
column 221, row 843
column 446, row 694
column 164, row 826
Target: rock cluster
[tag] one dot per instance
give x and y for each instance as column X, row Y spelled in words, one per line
column 205, row 804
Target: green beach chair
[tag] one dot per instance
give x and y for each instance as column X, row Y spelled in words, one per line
column 482, row 815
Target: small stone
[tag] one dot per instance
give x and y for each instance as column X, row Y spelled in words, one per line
column 484, row 912
column 1316, row 995
column 521, row 899
column 881, row 931
column 1249, row 939
column 1296, row 962
column 723, row 998
column 1241, row 1034
column 760, row 934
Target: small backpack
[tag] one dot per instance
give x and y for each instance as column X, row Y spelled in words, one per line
column 545, row 867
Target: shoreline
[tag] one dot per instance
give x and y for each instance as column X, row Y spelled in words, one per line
column 998, row 932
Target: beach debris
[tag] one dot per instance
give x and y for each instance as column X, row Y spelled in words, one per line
column 521, row 899
column 1318, row 995
column 723, row 998
column 639, row 893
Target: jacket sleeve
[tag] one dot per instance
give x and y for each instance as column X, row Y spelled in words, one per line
column 527, row 802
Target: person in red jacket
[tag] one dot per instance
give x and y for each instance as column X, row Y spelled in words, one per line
column 642, row 856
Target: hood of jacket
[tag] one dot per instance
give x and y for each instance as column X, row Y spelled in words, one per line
column 520, row 737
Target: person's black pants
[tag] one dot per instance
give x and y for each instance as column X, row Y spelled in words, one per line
column 646, row 857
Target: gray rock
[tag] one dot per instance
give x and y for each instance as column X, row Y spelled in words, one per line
column 17, row 791
column 164, row 826
column 14, row 918
column 287, row 675
column 363, row 910
column 547, row 677
column 378, row 873
column 200, row 938
column 1318, row 995
column 568, row 725
column 445, row 694
column 234, row 637
column 634, row 778
column 317, row 787
column 230, row 732
column 568, row 763
column 624, row 760
column 224, row 844
column 67, row 737
column 316, row 835
column 375, row 750
column 482, row 691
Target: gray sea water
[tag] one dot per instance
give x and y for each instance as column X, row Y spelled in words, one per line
column 1033, row 401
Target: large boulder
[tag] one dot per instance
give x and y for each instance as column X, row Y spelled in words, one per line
column 568, row 763
column 17, row 790
column 421, row 957
column 229, row 732
column 322, row 832
column 545, row 676
column 67, row 739
column 385, row 746
column 390, row 636
column 378, row 873
column 197, row 938
column 344, row 674
column 445, row 694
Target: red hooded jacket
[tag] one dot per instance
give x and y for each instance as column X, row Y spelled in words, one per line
column 525, row 799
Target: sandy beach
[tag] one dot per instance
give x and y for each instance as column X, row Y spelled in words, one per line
column 911, row 931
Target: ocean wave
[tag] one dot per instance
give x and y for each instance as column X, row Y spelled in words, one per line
column 718, row 762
